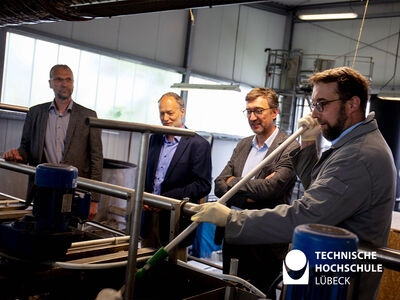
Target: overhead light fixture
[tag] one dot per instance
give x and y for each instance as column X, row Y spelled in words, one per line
column 389, row 95
column 337, row 16
column 193, row 86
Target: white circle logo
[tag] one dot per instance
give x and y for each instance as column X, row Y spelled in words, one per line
column 295, row 260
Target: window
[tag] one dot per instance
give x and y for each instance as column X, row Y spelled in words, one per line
column 116, row 88
column 217, row 111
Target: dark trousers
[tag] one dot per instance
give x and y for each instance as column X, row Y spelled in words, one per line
column 259, row 264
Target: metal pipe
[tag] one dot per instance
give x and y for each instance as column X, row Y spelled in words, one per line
column 137, row 215
column 14, row 107
column 106, row 188
column 105, row 228
column 113, row 240
column 138, row 127
column 237, row 186
column 163, row 251
column 389, row 258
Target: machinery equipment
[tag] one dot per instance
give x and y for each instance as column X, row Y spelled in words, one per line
column 46, row 234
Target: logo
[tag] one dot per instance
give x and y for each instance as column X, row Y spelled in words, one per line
column 295, row 261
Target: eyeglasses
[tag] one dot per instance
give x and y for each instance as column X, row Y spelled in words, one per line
column 320, row 105
column 257, row 111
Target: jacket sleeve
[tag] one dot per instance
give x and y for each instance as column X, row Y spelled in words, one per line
column 221, row 187
column 25, row 145
column 332, row 198
column 200, row 164
column 96, row 153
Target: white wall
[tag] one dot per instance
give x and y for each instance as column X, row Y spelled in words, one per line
column 161, row 37
column 339, row 37
column 156, row 36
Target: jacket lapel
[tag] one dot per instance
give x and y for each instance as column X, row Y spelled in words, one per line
column 183, row 143
column 74, row 117
column 275, row 143
column 42, row 124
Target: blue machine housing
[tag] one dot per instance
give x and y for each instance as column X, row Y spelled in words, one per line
column 47, row 234
column 54, row 190
column 311, row 238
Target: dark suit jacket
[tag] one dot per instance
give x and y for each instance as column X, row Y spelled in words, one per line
column 266, row 193
column 189, row 173
column 82, row 148
column 254, row 260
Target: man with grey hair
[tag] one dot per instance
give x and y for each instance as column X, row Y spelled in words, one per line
column 177, row 167
column 56, row 132
column 273, row 185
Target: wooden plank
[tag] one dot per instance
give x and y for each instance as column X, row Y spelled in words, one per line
column 13, row 214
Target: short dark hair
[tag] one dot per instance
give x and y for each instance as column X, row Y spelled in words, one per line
column 266, row 93
column 178, row 98
column 55, row 67
column 349, row 83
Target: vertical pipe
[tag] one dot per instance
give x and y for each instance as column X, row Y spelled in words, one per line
column 3, row 39
column 137, row 214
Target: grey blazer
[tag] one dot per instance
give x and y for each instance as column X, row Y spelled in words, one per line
column 266, row 193
column 82, row 148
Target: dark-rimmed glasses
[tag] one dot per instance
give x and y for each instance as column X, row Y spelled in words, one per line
column 257, row 111
column 320, row 105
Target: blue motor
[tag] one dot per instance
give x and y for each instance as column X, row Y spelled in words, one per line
column 47, row 234
column 319, row 263
column 54, row 191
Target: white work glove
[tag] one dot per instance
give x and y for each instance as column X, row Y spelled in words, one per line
column 313, row 128
column 212, row 212
column 109, row 294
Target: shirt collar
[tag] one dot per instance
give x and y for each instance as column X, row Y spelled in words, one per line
column 268, row 141
column 53, row 106
column 345, row 132
column 176, row 139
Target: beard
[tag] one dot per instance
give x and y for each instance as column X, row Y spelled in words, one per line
column 64, row 94
column 332, row 132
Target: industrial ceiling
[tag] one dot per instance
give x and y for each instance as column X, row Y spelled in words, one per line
column 16, row 12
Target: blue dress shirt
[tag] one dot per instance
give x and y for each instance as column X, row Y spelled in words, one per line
column 166, row 154
column 257, row 154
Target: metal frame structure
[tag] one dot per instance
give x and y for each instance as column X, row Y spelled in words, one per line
column 134, row 208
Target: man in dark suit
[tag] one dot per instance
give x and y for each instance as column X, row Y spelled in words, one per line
column 56, row 132
column 177, row 167
column 273, row 185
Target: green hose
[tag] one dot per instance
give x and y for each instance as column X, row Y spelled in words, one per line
column 157, row 257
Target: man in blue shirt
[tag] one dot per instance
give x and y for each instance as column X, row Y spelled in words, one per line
column 273, row 185
column 177, row 167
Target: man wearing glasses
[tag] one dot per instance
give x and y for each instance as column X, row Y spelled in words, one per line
column 352, row 185
column 273, row 185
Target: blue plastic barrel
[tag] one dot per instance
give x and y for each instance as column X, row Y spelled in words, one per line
column 318, row 265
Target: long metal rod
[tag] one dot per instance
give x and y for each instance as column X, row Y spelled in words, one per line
column 137, row 215
column 138, row 127
column 106, row 188
column 163, row 251
column 14, row 107
column 113, row 240
column 389, row 258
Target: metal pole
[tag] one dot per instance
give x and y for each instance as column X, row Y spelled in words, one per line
column 137, row 214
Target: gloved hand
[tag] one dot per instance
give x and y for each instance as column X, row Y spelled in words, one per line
column 212, row 212
column 313, row 128
column 109, row 294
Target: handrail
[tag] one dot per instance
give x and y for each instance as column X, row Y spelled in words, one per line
column 14, row 107
column 108, row 189
column 138, row 127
